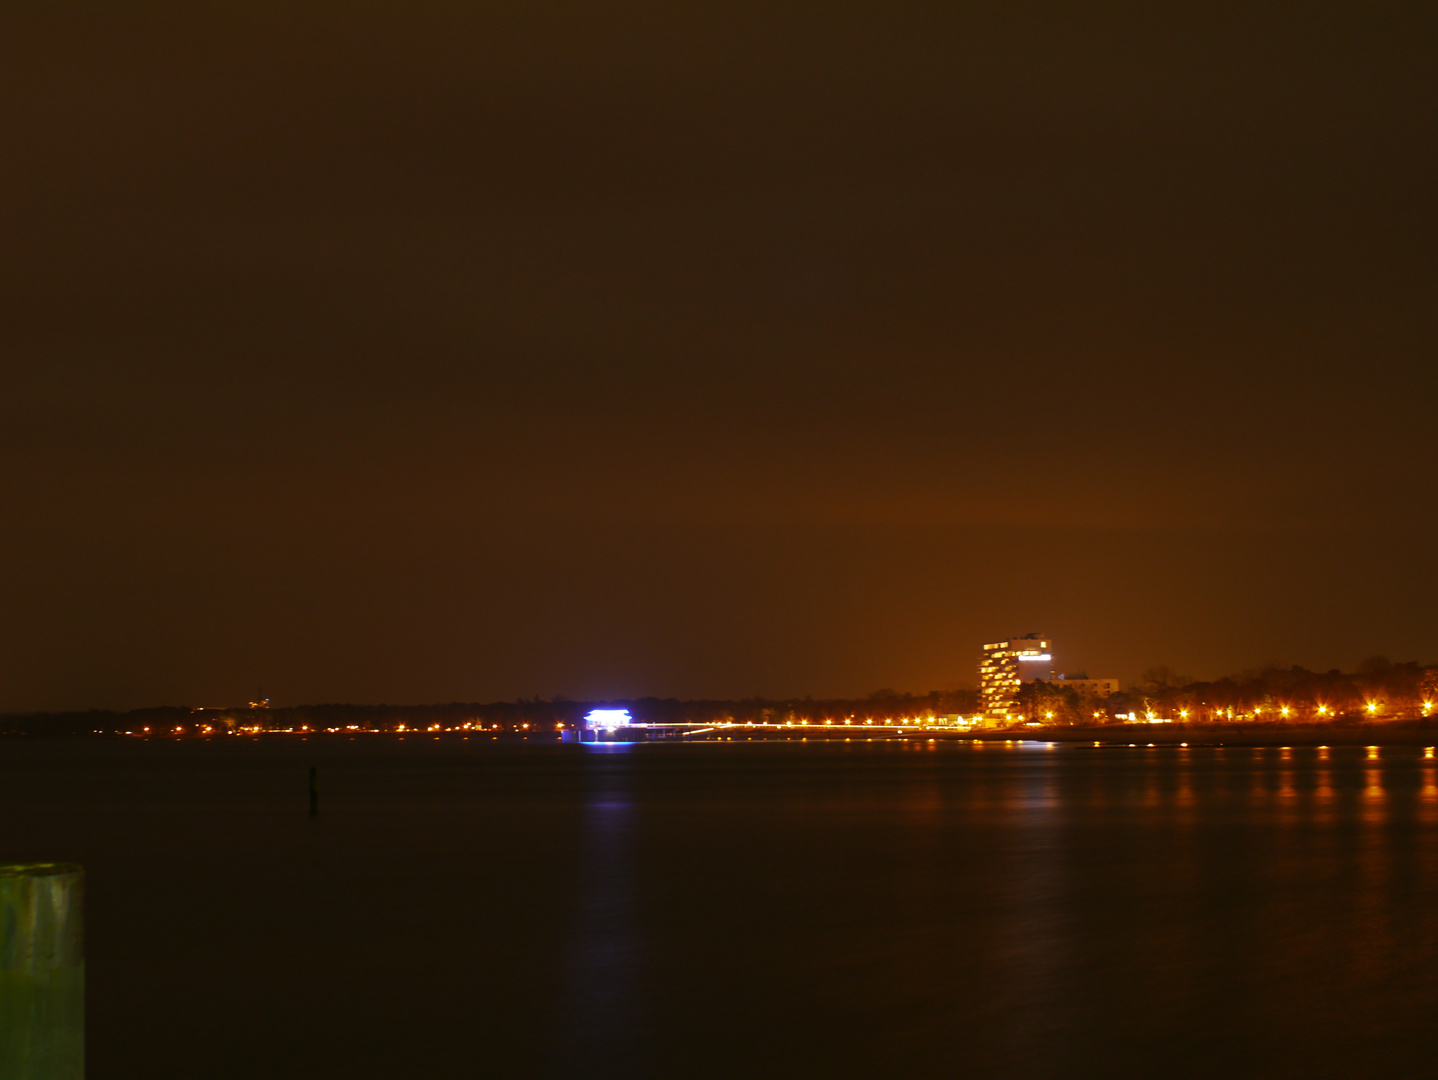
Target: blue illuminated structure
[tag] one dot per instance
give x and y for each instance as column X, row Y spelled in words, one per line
column 617, row 726
column 605, row 725
column 607, row 719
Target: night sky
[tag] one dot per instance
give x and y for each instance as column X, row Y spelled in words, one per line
column 406, row 352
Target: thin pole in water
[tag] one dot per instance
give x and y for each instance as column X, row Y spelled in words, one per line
column 314, row 791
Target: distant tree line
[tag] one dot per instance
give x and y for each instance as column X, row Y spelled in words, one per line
column 533, row 714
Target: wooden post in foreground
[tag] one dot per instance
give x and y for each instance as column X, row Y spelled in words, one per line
column 42, row 972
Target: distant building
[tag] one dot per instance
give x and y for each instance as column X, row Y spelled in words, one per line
column 1004, row 668
column 1085, row 686
column 1007, row 665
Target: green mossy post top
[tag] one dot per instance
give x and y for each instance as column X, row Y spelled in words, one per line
column 41, row 916
column 38, row 869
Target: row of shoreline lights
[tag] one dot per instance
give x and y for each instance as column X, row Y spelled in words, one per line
column 615, row 718
column 1285, row 711
column 1371, row 708
column 612, row 719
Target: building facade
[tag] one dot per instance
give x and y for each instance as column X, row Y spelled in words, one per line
column 1085, row 686
column 1004, row 668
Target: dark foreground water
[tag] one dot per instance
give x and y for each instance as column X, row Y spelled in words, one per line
column 462, row 909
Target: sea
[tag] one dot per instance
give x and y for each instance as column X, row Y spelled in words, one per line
column 464, row 907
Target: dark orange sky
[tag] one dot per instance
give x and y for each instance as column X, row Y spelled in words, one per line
column 417, row 352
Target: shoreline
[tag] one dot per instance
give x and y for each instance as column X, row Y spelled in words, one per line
column 1421, row 732
column 1375, row 733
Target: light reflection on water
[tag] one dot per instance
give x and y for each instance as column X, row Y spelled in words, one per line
column 1114, row 908
column 603, row 1006
column 1429, row 808
column 759, row 910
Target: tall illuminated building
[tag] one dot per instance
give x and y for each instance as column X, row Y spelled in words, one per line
column 1005, row 667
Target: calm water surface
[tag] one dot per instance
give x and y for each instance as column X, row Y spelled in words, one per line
column 464, row 909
